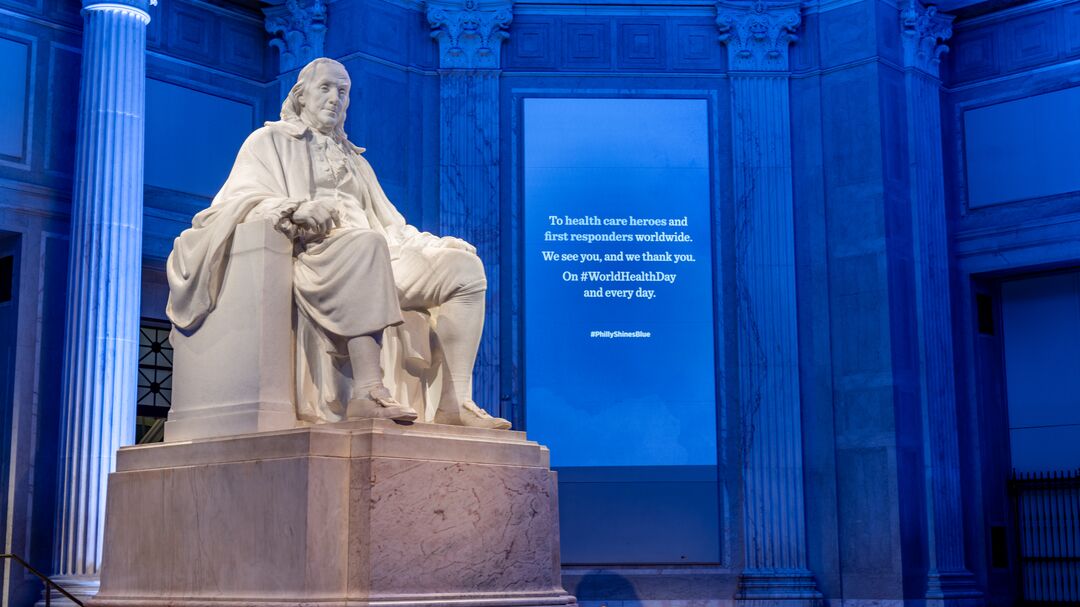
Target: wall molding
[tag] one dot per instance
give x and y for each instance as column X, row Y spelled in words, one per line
column 41, row 21
column 1010, row 13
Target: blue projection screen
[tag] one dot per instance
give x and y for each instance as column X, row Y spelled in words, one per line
column 618, row 322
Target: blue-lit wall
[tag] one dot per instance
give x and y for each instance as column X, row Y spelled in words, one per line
column 1011, row 140
column 1010, row 122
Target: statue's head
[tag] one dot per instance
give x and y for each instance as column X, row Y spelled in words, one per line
column 320, row 97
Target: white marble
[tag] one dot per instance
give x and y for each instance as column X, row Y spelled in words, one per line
column 354, row 513
column 101, row 340
column 234, row 375
column 385, row 321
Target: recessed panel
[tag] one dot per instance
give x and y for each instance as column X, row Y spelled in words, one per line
column 192, row 137
column 14, row 56
column 1023, row 149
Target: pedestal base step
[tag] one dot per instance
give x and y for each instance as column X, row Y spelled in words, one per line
column 358, row 514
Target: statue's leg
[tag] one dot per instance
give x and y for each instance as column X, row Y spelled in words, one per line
column 364, row 353
column 370, row 397
column 461, row 323
column 453, row 281
column 344, row 284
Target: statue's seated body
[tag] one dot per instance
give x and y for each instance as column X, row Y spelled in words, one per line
column 353, row 265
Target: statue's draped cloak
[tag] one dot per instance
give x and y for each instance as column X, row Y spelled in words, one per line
column 271, row 177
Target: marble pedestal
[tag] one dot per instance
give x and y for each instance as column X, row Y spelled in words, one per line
column 365, row 513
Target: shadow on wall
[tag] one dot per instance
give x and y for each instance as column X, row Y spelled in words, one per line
column 602, row 589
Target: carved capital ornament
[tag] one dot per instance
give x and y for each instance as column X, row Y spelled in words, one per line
column 299, row 30
column 757, row 34
column 470, row 34
column 925, row 32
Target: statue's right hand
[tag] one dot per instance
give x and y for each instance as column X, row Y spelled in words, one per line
column 316, row 215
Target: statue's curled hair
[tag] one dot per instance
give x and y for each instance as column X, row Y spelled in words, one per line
column 290, row 108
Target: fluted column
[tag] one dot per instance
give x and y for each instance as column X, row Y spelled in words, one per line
column 757, row 37
column 924, row 32
column 102, row 328
column 470, row 36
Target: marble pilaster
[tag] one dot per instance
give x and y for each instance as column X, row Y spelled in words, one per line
column 924, row 33
column 470, row 36
column 757, row 36
column 102, row 325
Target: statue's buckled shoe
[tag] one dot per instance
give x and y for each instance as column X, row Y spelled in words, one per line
column 472, row 416
column 379, row 404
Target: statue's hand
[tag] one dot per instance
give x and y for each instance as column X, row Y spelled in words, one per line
column 318, row 215
column 453, row 242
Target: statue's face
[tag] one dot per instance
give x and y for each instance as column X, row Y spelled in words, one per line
column 324, row 96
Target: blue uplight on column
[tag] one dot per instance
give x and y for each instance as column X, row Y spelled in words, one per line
column 102, row 325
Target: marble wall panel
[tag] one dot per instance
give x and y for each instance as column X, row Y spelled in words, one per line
column 697, row 586
column 974, row 55
column 16, row 99
column 1022, row 149
column 63, row 97
column 868, row 522
column 1032, row 40
column 621, row 44
column 1071, row 26
column 694, row 46
column 241, row 46
column 348, row 19
column 196, row 130
column 191, row 33
column 887, row 16
column 640, row 44
column 815, row 354
column 383, row 27
column 894, row 129
column 586, row 43
column 851, row 126
column 1011, row 42
column 210, row 36
column 26, row 6
column 386, row 130
column 806, row 53
column 531, row 43
column 388, row 31
column 846, row 33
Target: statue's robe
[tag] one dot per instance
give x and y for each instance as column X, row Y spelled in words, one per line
column 342, row 284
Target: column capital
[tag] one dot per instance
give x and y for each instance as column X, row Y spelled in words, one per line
column 925, row 31
column 470, row 32
column 757, row 34
column 298, row 28
column 139, row 8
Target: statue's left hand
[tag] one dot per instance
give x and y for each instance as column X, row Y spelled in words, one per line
column 453, row 242
column 319, row 216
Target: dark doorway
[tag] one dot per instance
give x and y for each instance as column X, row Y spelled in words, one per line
column 1027, row 329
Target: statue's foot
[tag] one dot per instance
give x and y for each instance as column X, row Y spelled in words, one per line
column 379, row 404
column 472, row 416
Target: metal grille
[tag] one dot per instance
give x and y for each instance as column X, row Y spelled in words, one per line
column 155, row 377
column 1048, row 525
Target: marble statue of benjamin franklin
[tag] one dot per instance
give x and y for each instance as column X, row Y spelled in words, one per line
column 356, row 264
